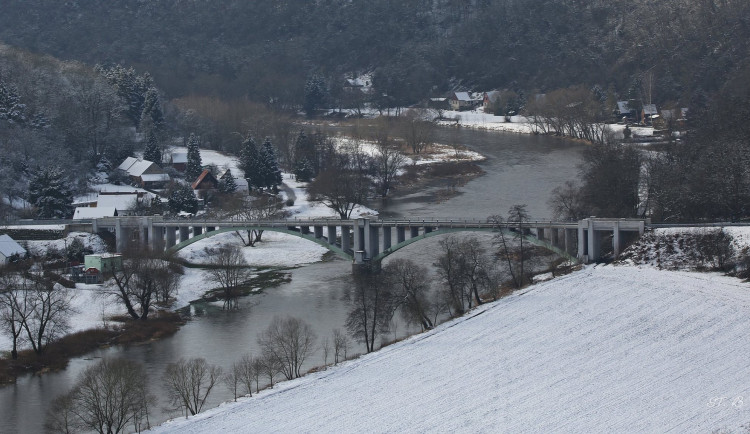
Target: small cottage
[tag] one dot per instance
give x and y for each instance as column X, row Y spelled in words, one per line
column 205, row 182
column 464, row 101
column 178, row 160
column 104, row 263
column 144, row 173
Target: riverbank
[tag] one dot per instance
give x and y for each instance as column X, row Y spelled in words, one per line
column 607, row 348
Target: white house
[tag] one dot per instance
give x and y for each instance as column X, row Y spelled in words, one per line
column 8, row 248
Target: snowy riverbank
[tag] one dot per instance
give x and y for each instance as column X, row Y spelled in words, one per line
column 605, row 349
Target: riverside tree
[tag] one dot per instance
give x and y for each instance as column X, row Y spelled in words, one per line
column 229, row 270
column 287, row 343
column 189, row 382
column 371, row 308
column 109, row 397
column 142, row 281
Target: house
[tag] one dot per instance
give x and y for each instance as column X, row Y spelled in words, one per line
column 144, row 173
column 224, row 174
column 464, row 100
column 439, row 103
column 178, row 160
column 86, row 213
column 626, row 112
column 123, row 203
column 648, row 112
column 9, row 249
column 206, row 181
column 490, row 101
column 103, row 263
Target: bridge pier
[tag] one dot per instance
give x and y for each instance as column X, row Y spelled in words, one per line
column 197, row 230
column 318, row 232
column 359, row 244
column 413, row 232
column 332, row 235
column 184, row 233
column 171, row 236
column 121, row 236
column 387, row 238
column 400, row 234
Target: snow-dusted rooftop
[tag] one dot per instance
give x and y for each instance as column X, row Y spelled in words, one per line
column 120, row 201
column 82, row 213
column 9, row 246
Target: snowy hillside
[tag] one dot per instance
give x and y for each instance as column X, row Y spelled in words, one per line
column 605, row 349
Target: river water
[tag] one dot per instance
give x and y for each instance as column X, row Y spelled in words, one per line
column 519, row 169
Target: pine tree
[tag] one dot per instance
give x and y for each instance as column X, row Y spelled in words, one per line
column 316, row 93
column 194, row 163
column 182, row 198
column 305, row 149
column 250, row 164
column 153, row 150
column 152, row 116
column 11, row 109
column 271, row 172
column 50, row 194
column 228, row 184
column 303, row 171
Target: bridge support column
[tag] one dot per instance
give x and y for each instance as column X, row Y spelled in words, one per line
column 616, row 239
column 387, row 238
column 540, row 234
column 372, row 239
column 197, row 230
column 569, row 235
column 331, row 235
column 594, row 242
column 582, row 242
column 345, row 239
column 427, row 229
column 155, row 236
column 318, row 231
column 210, row 228
column 413, row 232
column 184, row 233
column 144, row 233
column 171, row 236
column 359, row 240
column 305, row 230
column 121, row 236
column 95, row 226
column 400, row 234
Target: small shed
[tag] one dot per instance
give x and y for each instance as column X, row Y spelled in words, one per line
column 9, row 249
column 106, row 262
column 178, row 160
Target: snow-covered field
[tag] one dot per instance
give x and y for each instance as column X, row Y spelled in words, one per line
column 605, row 349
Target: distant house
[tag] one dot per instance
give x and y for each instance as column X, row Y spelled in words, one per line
column 86, row 213
column 648, row 112
column 439, row 103
column 626, row 112
column 464, row 100
column 490, row 101
column 206, row 182
column 144, row 173
column 103, row 263
column 9, row 249
column 122, row 203
column 178, row 160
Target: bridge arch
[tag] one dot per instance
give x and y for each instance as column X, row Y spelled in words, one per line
column 310, row 237
column 443, row 231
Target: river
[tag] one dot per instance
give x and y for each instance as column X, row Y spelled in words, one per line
column 519, row 169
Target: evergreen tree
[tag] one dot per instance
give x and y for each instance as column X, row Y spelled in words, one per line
column 303, row 170
column 182, row 198
column 152, row 116
column 316, row 93
column 250, row 164
column 305, row 150
column 194, row 163
column 157, row 206
column 153, row 150
column 11, row 109
column 271, row 171
column 130, row 87
column 50, row 194
column 228, row 184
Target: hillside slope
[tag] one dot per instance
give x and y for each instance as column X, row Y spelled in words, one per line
column 606, row 349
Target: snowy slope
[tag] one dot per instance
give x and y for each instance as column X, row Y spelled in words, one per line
column 606, row 349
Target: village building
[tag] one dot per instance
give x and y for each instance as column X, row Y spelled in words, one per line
column 490, row 101
column 10, row 249
column 648, row 112
column 205, row 183
column 178, row 161
column 144, row 173
column 465, row 100
column 626, row 112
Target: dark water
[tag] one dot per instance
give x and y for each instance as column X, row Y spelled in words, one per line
column 519, row 169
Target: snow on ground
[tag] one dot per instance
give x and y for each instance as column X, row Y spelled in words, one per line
column 220, row 160
column 518, row 124
column 304, row 208
column 434, row 153
column 605, row 349
column 91, row 241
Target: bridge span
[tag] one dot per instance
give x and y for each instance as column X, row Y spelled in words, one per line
column 367, row 239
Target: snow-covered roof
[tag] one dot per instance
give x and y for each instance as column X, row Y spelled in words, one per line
column 623, row 107
column 84, row 213
column 205, row 175
column 649, row 109
column 128, row 163
column 138, row 168
column 9, row 247
column 155, row 177
column 121, row 202
column 179, row 157
column 462, row 96
column 491, row 95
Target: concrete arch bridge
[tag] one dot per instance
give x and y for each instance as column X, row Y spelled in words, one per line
column 364, row 239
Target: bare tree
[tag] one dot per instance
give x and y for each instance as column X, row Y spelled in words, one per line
column 340, row 345
column 106, row 398
column 289, row 341
column 258, row 370
column 466, row 271
column 141, row 281
column 228, row 268
column 416, row 132
column 340, row 189
column 326, row 347
column 513, row 250
column 372, row 308
column 15, row 307
column 270, row 365
column 189, row 382
column 241, row 377
column 389, row 161
column 410, row 291
column 264, row 207
column 50, row 309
